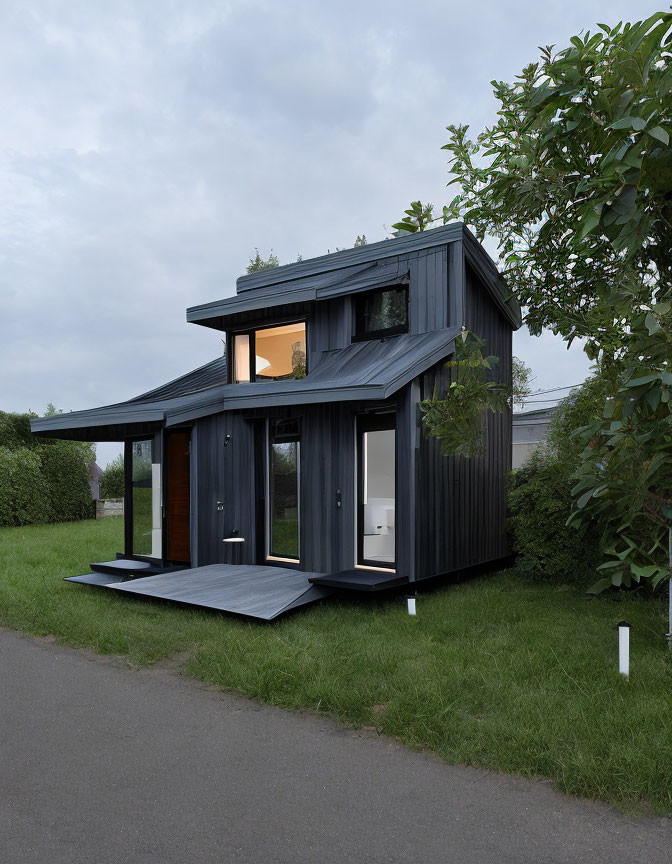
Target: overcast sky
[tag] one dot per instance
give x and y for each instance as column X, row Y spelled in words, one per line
column 147, row 147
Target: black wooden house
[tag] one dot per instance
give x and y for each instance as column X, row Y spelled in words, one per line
column 296, row 464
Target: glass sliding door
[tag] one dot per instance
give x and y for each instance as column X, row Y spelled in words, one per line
column 283, row 497
column 144, row 500
column 376, row 489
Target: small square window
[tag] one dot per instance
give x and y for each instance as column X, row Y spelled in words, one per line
column 381, row 313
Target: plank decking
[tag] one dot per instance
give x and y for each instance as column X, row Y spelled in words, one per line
column 256, row 591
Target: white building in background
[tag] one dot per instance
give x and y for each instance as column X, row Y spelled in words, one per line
column 530, row 429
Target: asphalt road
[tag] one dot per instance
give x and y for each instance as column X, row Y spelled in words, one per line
column 100, row 763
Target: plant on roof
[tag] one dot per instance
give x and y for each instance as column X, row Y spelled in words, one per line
column 258, row 263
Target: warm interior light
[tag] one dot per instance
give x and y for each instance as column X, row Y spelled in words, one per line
column 281, row 351
column 242, row 357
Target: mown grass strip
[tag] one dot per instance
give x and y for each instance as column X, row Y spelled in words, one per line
column 496, row 672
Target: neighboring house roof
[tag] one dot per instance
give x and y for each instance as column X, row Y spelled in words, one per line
column 532, row 426
column 373, row 369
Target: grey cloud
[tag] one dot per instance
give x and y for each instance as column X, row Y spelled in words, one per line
column 147, row 148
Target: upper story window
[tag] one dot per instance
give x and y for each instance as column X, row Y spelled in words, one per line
column 381, row 313
column 270, row 354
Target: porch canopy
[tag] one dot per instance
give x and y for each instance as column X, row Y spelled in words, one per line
column 369, row 370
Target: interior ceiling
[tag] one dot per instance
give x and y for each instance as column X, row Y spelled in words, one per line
column 273, row 348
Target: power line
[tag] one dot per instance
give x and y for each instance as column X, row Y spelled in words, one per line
column 530, row 401
column 554, row 389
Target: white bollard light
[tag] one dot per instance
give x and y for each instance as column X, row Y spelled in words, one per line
column 411, row 605
column 624, row 648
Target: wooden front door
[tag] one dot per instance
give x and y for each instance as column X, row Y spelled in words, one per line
column 176, row 468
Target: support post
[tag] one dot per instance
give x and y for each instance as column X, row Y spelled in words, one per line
column 624, row 648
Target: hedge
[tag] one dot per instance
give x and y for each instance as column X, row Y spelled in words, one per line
column 24, row 492
column 540, row 499
column 41, row 480
column 112, row 482
column 67, row 477
column 540, row 503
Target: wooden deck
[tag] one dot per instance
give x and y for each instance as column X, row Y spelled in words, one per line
column 255, row 591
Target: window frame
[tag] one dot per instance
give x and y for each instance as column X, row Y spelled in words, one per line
column 366, row 335
column 129, row 553
column 251, row 333
column 372, row 423
column 269, row 440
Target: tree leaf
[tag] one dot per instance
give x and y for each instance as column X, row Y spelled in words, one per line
column 589, row 223
column 659, row 133
column 651, row 323
column 584, row 499
column 645, row 379
column 629, row 122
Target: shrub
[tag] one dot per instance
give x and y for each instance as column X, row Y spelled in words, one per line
column 65, row 471
column 112, row 479
column 41, row 479
column 15, row 430
column 540, row 502
column 24, row 492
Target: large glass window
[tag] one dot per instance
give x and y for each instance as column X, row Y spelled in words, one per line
column 145, row 503
column 270, row 354
column 283, row 491
column 377, row 497
column 381, row 313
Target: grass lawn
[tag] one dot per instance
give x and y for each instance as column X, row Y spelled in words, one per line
column 496, row 672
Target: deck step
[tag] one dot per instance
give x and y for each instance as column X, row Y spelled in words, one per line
column 95, row 579
column 126, row 568
column 359, row 580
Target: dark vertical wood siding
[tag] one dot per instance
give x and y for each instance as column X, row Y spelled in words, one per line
column 461, row 503
column 428, row 290
column 225, row 472
column 330, row 327
column 327, row 466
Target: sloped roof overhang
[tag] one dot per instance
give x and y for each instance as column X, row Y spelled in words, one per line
column 373, row 370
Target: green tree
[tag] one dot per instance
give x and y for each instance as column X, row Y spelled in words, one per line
column 521, row 377
column 574, row 182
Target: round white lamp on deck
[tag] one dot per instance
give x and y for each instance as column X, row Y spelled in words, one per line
column 236, row 541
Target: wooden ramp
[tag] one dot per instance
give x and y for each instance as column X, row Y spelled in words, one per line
column 243, row 589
